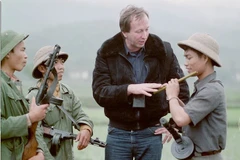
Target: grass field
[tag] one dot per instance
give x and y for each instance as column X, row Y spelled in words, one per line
column 100, row 130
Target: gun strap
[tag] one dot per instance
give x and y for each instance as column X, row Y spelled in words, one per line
column 55, row 144
column 92, row 141
column 69, row 116
column 13, row 156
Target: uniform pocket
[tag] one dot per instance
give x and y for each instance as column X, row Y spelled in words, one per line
column 17, row 106
column 53, row 115
column 13, row 97
column 68, row 103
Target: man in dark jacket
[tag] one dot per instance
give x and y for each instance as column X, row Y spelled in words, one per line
column 129, row 67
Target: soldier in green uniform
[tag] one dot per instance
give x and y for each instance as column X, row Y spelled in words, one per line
column 55, row 117
column 16, row 114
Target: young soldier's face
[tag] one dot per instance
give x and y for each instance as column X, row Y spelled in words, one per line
column 59, row 66
column 17, row 58
column 137, row 36
column 194, row 61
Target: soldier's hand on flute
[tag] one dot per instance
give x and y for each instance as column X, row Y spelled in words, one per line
column 172, row 88
column 180, row 80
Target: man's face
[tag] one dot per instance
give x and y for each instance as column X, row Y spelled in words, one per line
column 17, row 58
column 137, row 36
column 194, row 61
column 59, row 66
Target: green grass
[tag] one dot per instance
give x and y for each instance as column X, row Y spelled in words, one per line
column 233, row 116
column 100, row 130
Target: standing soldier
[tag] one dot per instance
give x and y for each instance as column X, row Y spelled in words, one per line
column 55, row 117
column 16, row 116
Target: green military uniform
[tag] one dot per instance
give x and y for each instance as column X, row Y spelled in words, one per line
column 14, row 128
column 14, row 107
column 56, row 118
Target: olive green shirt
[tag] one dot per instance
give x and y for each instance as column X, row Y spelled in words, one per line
column 56, row 118
column 14, row 127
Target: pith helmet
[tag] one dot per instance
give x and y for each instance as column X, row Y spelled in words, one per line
column 41, row 56
column 9, row 39
column 203, row 43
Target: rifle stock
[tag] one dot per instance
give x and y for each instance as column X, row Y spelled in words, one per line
column 31, row 147
column 43, row 97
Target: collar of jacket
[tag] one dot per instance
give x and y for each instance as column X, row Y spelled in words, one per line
column 5, row 77
column 64, row 87
column 153, row 47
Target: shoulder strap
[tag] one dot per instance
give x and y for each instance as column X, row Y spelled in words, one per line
column 60, row 107
column 32, row 88
column 69, row 116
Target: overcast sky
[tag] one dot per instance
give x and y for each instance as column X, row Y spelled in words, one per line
column 213, row 11
column 185, row 2
column 148, row 3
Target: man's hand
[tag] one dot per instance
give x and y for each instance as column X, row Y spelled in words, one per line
column 163, row 130
column 83, row 139
column 39, row 156
column 172, row 88
column 37, row 113
column 144, row 88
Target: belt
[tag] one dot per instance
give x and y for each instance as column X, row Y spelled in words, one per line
column 132, row 127
column 197, row 154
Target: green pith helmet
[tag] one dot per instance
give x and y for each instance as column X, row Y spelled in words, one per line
column 9, row 39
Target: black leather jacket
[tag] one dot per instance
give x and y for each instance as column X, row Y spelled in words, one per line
column 113, row 73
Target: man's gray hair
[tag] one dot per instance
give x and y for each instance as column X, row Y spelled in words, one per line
column 127, row 15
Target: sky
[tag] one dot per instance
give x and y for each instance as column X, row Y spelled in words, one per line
column 50, row 11
column 190, row 3
column 185, row 2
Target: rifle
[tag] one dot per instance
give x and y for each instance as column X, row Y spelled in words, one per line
column 182, row 147
column 51, row 132
column 56, row 134
column 44, row 96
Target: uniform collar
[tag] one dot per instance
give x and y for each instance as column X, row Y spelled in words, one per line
column 7, row 78
column 200, row 83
